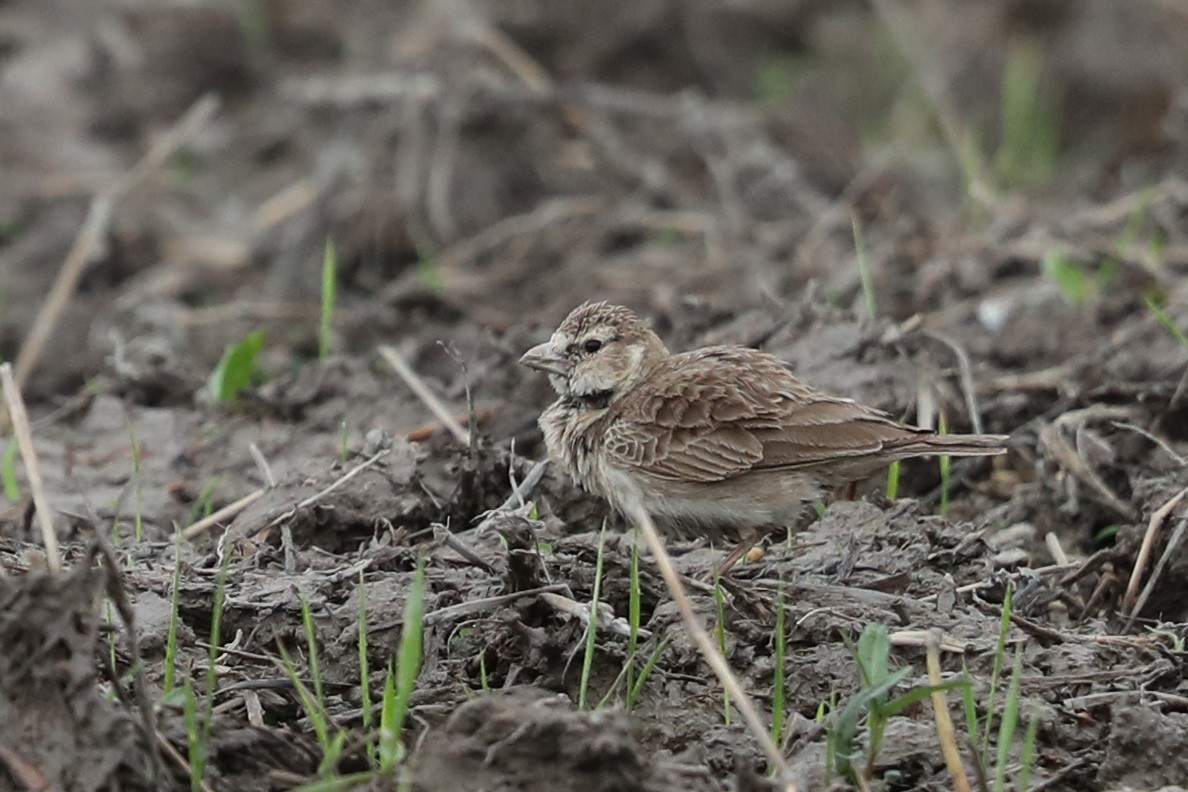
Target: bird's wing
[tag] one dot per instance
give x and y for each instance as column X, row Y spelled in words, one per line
column 718, row 412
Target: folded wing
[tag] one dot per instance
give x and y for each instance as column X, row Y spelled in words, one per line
column 723, row 411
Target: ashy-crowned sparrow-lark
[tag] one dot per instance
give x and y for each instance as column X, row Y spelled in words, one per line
column 721, row 441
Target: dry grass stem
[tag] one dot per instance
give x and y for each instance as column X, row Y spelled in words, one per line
column 474, row 606
column 1169, row 552
column 1056, row 549
column 1129, row 600
column 633, row 502
column 284, row 204
column 925, row 638
column 226, row 513
column 86, row 244
column 944, row 723
column 428, row 397
column 89, row 239
column 262, row 465
column 965, row 369
column 24, row 437
column 1052, row 436
column 511, row 55
column 317, row 496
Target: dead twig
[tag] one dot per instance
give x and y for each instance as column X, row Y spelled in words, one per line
column 89, row 239
column 442, row 163
column 512, row 55
column 442, row 535
column 226, row 513
column 1052, row 541
column 426, row 430
column 427, row 397
column 317, row 496
column 262, row 464
column 1130, row 600
column 583, row 610
column 493, row 236
column 1173, row 544
column 471, row 412
column 284, row 204
column 473, row 606
column 517, row 497
column 24, row 438
column 1162, row 444
column 84, row 248
column 924, row 638
column 1043, row 379
column 633, row 502
column 24, row 772
column 966, row 376
column 1052, row 436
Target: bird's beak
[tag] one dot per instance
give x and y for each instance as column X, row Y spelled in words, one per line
column 543, row 357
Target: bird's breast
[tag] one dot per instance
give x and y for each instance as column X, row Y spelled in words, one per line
column 573, row 438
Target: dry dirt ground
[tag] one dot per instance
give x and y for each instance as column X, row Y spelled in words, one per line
column 482, row 167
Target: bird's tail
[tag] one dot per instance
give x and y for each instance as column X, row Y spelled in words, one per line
column 956, row 445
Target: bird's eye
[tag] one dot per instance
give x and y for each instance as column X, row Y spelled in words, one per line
column 592, row 346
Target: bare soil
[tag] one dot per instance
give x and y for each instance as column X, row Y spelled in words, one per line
column 481, row 169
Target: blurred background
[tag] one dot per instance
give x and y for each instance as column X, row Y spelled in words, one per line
column 494, row 163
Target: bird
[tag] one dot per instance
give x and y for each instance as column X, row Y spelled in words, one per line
column 722, row 442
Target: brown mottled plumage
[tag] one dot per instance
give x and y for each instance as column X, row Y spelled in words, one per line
column 721, row 440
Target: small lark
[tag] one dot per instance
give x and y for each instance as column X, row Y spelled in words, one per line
column 721, row 441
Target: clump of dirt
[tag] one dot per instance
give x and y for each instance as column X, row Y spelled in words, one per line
column 525, row 739
column 61, row 730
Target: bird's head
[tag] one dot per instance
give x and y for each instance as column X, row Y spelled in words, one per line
column 597, row 354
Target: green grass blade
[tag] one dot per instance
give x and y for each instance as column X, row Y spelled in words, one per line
column 236, row 368
column 644, row 673
column 312, row 707
column 311, row 643
column 329, row 297
column 1030, row 119
column 996, row 673
column 171, row 637
column 12, row 486
column 412, row 638
column 336, row 783
column 874, row 653
column 390, row 752
column 779, row 679
column 1028, row 760
column 969, row 702
column 868, row 291
column 1062, row 269
column 633, row 612
column 364, row 670
column 1008, row 724
column 946, row 467
column 901, row 703
column 216, row 626
column 195, row 741
column 720, row 635
column 893, row 480
column 1166, row 320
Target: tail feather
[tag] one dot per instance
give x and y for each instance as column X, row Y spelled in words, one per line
column 954, row 445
